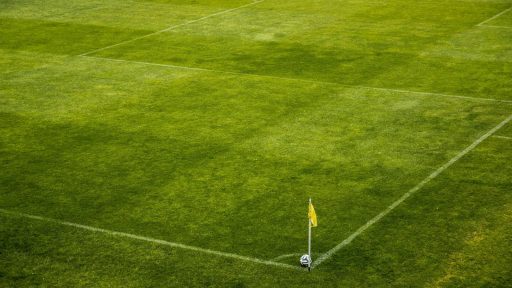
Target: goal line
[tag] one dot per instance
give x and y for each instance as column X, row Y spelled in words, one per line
column 149, row 239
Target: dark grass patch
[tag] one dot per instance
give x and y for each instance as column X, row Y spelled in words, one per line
column 60, row 38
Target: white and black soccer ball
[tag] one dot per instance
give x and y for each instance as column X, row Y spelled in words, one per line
column 305, row 260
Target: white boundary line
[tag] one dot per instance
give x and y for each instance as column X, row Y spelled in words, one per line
column 494, row 17
column 390, row 208
column 496, row 26
column 301, row 80
column 502, row 137
column 172, row 27
column 151, row 240
column 286, row 256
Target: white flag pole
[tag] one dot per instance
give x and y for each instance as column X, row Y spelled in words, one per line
column 309, row 237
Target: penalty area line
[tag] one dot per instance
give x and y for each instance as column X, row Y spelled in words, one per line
column 494, row 17
column 331, row 252
column 401, row 91
column 149, row 239
column 502, row 137
column 172, row 27
column 496, row 26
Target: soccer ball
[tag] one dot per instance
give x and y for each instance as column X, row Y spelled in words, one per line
column 305, row 260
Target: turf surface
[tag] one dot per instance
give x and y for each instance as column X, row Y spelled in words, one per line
column 214, row 133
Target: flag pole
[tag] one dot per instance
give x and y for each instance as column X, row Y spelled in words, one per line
column 309, row 239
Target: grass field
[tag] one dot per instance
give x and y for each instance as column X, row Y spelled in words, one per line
column 175, row 143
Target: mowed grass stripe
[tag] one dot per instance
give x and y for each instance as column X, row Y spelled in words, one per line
column 58, row 38
column 303, row 80
column 361, row 73
column 121, row 14
column 258, row 48
column 45, row 33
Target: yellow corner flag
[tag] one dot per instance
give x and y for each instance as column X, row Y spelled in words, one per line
column 312, row 215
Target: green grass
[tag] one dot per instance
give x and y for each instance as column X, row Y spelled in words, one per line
column 215, row 133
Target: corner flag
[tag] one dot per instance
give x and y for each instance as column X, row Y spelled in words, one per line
column 312, row 215
column 312, row 222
